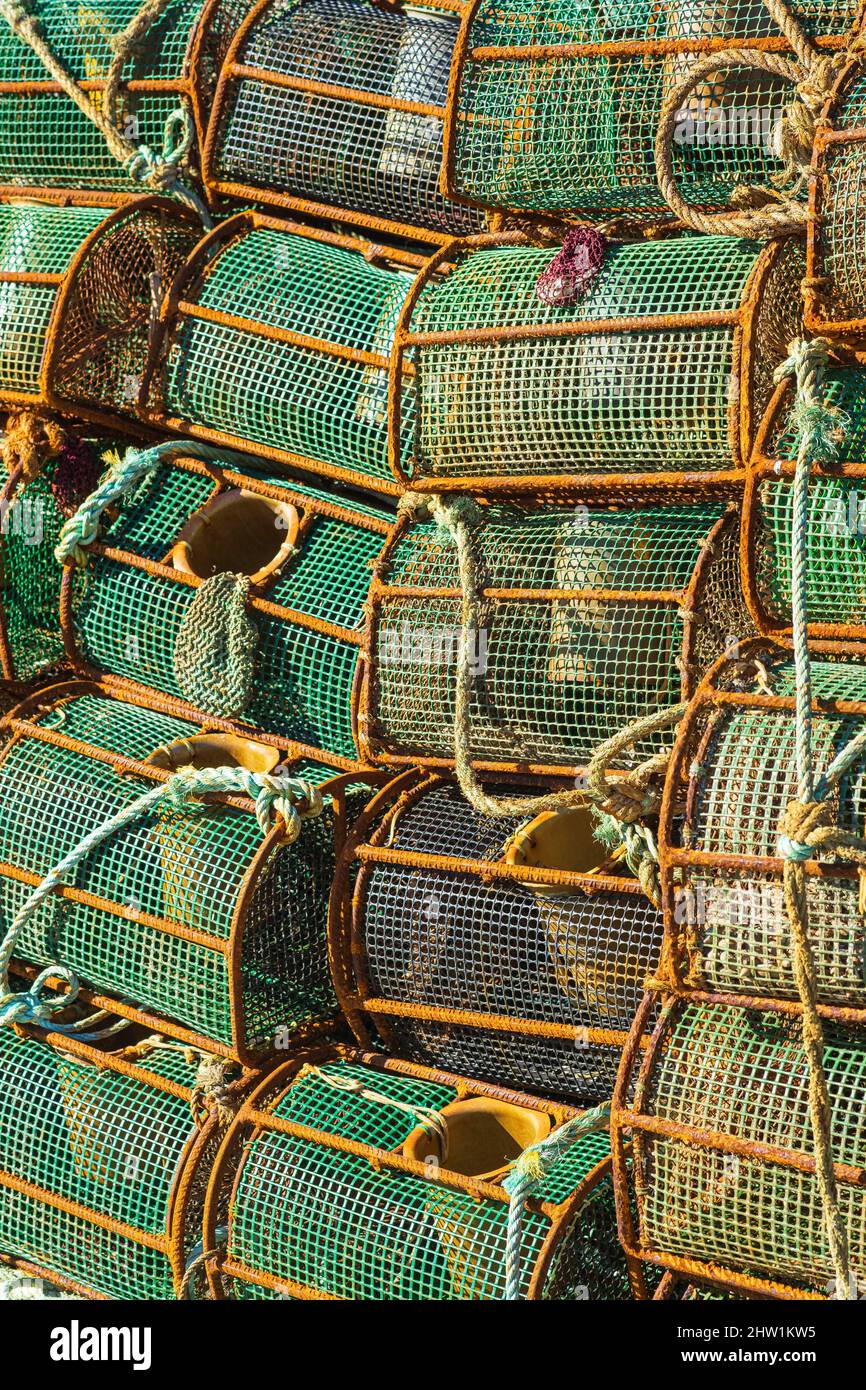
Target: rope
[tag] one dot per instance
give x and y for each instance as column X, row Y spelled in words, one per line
column 527, row 1175
column 807, row 827
column 160, row 172
column 430, row 1120
column 628, row 798
column 215, row 650
column 760, row 212
column 82, row 528
column 275, row 795
column 29, row 441
column 212, row 1094
column 198, row 1258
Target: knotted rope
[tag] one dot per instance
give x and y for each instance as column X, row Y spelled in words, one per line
column 275, row 795
column 29, row 441
column 626, row 800
column 760, row 212
column 212, row 1093
column 431, row 1121
column 808, row 829
column 215, row 650
column 160, row 172
column 529, row 1172
column 82, row 528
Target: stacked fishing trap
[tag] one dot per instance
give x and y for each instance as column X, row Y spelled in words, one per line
column 432, row 640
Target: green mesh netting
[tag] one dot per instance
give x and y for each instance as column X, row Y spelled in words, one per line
column 33, row 240
column 45, row 141
column 127, row 621
column 562, row 131
column 555, row 676
column 734, row 919
column 836, row 529
column 30, row 524
column 736, row 1073
column 664, row 400
column 185, row 868
column 366, row 158
column 275, row 395
column 431, row 937
column 330, row 1222
column 838, row 244
column 112, row 1143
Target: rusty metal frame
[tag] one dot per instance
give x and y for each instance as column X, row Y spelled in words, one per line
column 370, row 843
column 225, row 477
column 23, row 723
column 587, row 486
column 234, row 70
column 687, row 599
column 187, row 87
column 172, row 1241
column 631, row 1124
column 255, row 1118
column 764, row 466
column 613, row 49
column 176, row 306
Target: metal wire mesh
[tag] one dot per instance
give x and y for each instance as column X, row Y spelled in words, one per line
column 836, row 525
column 509, row 388
column 728, row 1072
column 46, row 143
column 434, row 938
column 283, row 347
column 728, row 916
column 103, row 336
column 90, row 1163
column 319, row 1221
column 586, row 627
column 30, row 522
column 174, row 915
column 312, row 113
column 836, row 285
column 126, row 619
column 567, row 120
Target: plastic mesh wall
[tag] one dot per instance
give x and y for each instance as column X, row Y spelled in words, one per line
column 185, row 916
column 337, row 106
column 591, row 619
column 836, row 525
column 557, row 104
column 309, row 1218
column 30, row 521
column 519, row 985
column 836, row 286
column 92, row 1153
column 658, row 371
column 47, row 144
column 132, row 605
column 280, row 344
column 723, row 1074
column 735, row 763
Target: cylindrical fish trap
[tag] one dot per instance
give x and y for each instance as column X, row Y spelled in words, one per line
column 514, row 949
column 189, row 917
column 336, row 108
column 555, row 105
column 590, row 618
column 347, row 1176
column 835, row 288
column 159, row 97
column 656, row 374
column 723, row 1152
column 300, row 324
column 104, row 1153
column 730, row 782
column 37, row 493
column 79, row 291
column 836, row 519
column 198, row 548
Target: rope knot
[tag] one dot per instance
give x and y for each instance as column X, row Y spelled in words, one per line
column 211, row 1093
column 33, row 1005
column 800, row 823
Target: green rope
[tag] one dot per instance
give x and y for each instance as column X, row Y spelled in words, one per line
column 274, row 794
column 527, row 1175
column 215, row 650
column 83, row 527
